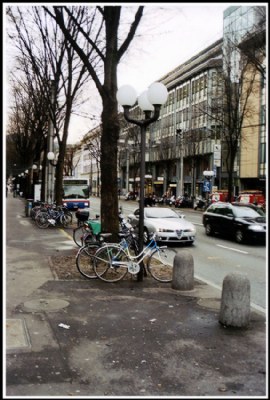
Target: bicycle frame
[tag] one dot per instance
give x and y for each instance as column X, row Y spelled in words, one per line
column 134, row 261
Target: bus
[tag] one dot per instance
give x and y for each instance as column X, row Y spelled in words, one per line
column 76, row 193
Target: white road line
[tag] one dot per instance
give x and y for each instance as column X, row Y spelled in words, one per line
column 210, row 283
column 233, row 249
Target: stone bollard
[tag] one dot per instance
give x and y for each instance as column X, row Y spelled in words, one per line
column 183, row 271
column 235, row 301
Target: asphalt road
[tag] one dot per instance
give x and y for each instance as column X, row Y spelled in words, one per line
column 215, row 257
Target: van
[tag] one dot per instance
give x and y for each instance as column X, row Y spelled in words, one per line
column 251, row 196
column 219, row 195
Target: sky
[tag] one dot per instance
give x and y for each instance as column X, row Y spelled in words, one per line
column 170, row 34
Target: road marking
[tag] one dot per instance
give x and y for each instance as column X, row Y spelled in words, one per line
column 233, row 249
column 66, row 234
column 210, row 283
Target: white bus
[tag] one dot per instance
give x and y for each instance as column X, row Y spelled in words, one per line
column 76, row 193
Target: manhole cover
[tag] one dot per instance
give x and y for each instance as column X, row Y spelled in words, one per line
column 45, row 305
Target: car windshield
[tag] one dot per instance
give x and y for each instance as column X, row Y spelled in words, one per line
column 160, row 213
column 245, row 212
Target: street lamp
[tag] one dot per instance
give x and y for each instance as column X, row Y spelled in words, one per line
column 51, row 157
column 149, row 101
column 207, row 182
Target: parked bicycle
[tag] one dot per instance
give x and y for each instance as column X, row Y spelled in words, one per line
column 88, row 229
column 111, row 262
column 52, row 215
column 85, row 255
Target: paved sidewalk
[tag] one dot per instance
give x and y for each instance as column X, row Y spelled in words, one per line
column 87, row 338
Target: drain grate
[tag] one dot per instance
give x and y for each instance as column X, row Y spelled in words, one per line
column 16, row 335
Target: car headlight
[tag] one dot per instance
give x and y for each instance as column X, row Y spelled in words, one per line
column 256, row 228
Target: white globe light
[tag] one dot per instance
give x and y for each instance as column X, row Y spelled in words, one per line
column 34, row 166
column 126, row 95
column 208, row 173
column 157, row 93
column 26, row 171
column 144, row 102
column 50, row 156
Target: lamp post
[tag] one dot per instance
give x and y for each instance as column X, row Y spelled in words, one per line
column 148, row 101
column 179, row 135
column 207, row 186
column 50, row 187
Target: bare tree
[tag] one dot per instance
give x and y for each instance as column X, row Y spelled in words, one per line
column 55, row 65
column 27, row 123
column 252, row 45
column 105, row 42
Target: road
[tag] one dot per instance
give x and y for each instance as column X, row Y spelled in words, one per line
column 215, row 257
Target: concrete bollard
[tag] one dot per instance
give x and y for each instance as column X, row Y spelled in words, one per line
column 235, row 301
column 183, row 271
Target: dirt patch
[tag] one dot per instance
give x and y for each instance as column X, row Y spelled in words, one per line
column 64, row 267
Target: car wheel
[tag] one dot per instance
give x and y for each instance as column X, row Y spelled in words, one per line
column 239, row 236
column 145, row 236
column 208, row 230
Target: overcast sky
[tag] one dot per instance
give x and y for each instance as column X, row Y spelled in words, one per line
column 169, row 34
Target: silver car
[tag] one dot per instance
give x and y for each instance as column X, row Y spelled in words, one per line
column 169, row 225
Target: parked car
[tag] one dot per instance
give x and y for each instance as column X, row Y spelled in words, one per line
column 169, row 225
column 238, row 222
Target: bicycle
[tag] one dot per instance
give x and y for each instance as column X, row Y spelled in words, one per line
column 88, row 231
column 112, row 262
column 85, row 255
column 53, row 215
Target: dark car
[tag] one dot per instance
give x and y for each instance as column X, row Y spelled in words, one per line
column 255, row 207
column 237, row 222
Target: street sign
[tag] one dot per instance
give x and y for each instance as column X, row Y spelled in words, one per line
column 206, row 186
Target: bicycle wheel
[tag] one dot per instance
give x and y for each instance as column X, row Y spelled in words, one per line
column 78, row 234
column 159, row 266
column 41, row 220
column 85, row 261
column 65, row 220
column 103, row 263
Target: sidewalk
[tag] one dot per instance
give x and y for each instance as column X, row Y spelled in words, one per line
column 87, row 338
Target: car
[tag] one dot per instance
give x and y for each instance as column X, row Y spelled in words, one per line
column 171, row 227
column 258, row 208
column 241, row 223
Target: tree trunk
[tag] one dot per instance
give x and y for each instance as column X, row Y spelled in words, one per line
column 108, row 167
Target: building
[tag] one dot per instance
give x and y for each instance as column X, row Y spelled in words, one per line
column 245, row 27
column 190, row 137
column 186, row 132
